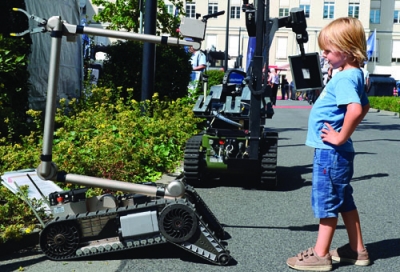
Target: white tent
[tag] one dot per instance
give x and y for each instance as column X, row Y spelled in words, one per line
column 70, row 79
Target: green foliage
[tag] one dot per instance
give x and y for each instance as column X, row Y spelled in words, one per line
column 13, row 87
column 124, row 69
column 388, row 103
column 215, row 77
column 125, row 15
column 16, row 215
column 107, row 135
column 14, row 77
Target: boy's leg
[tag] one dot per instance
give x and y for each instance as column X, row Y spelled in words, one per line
column 352, row 222
column 354, row 252
column 327, row 227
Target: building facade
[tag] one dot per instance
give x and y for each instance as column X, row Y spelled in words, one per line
column 382, row 16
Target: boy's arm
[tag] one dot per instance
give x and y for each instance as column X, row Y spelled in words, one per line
column 354, row 115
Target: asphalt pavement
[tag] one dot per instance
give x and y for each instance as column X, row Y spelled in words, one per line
column 264, row 228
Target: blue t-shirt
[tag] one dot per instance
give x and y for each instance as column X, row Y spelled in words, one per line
column 344, row 88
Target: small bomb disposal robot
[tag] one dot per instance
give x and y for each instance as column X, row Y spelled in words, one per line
column 237, row 139
column 146, row 215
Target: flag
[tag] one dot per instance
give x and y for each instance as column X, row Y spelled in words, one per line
column 250, row 51
column 371, row 44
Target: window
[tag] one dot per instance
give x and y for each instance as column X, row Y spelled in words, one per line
column 283, row 12
column 235, row 12
column 375, row 12
column 191, row 10
column 396, row 51
column 396, row 18
column 233, row 46
column 211, row 41
column 283, row 8
column 281, row 48
column 212, row 7
column 305, row 5
column 329, row 9
column 306, row 9
column 354, row 9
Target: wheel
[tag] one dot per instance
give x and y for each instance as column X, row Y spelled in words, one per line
column 59, row 240
column 224, row 258
column 178, row 222
column 193, row 163
column 269, row 158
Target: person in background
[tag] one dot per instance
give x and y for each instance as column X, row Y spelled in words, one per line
column 199, row 64
column 292, row 91
column 273, row 81
column 334, row 117
column 366, row 77
column 198, row 60
column 285, row 88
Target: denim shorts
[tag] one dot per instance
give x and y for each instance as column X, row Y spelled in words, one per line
column 331, row 189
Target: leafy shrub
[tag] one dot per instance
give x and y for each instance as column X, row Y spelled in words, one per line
column 389, row 103
column 16, row 214
column 13, row 87
column 109, row 136
column 14, row 77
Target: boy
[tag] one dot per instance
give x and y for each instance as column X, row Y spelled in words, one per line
column 334, row 117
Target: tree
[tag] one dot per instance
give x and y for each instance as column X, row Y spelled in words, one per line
column 123, row 69
column 124, row 14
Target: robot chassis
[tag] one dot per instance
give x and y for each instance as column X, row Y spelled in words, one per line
column 147, row 215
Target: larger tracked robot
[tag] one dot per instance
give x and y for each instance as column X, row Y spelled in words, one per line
column 145, row 215
column 237, row 139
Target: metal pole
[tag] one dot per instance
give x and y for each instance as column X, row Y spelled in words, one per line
column 149, row 51
column 227, row 35
column 239, row 59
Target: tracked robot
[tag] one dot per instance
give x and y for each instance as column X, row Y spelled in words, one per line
column 146, row 214
column 237, row 139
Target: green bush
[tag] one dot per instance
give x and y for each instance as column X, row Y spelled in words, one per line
column 16, row 215
column 388, row 103
column 14, row 77
column 110, row 136
column 13, row 87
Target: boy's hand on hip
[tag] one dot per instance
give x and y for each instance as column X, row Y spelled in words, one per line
column 330, row 135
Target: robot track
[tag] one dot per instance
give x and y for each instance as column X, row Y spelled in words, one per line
column 175, row 221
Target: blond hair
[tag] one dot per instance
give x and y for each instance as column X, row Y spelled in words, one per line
column 345, row 35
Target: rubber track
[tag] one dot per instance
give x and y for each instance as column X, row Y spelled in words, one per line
column 192, row 160
column 113, row 244
column 202, row 208
column 269, row 161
